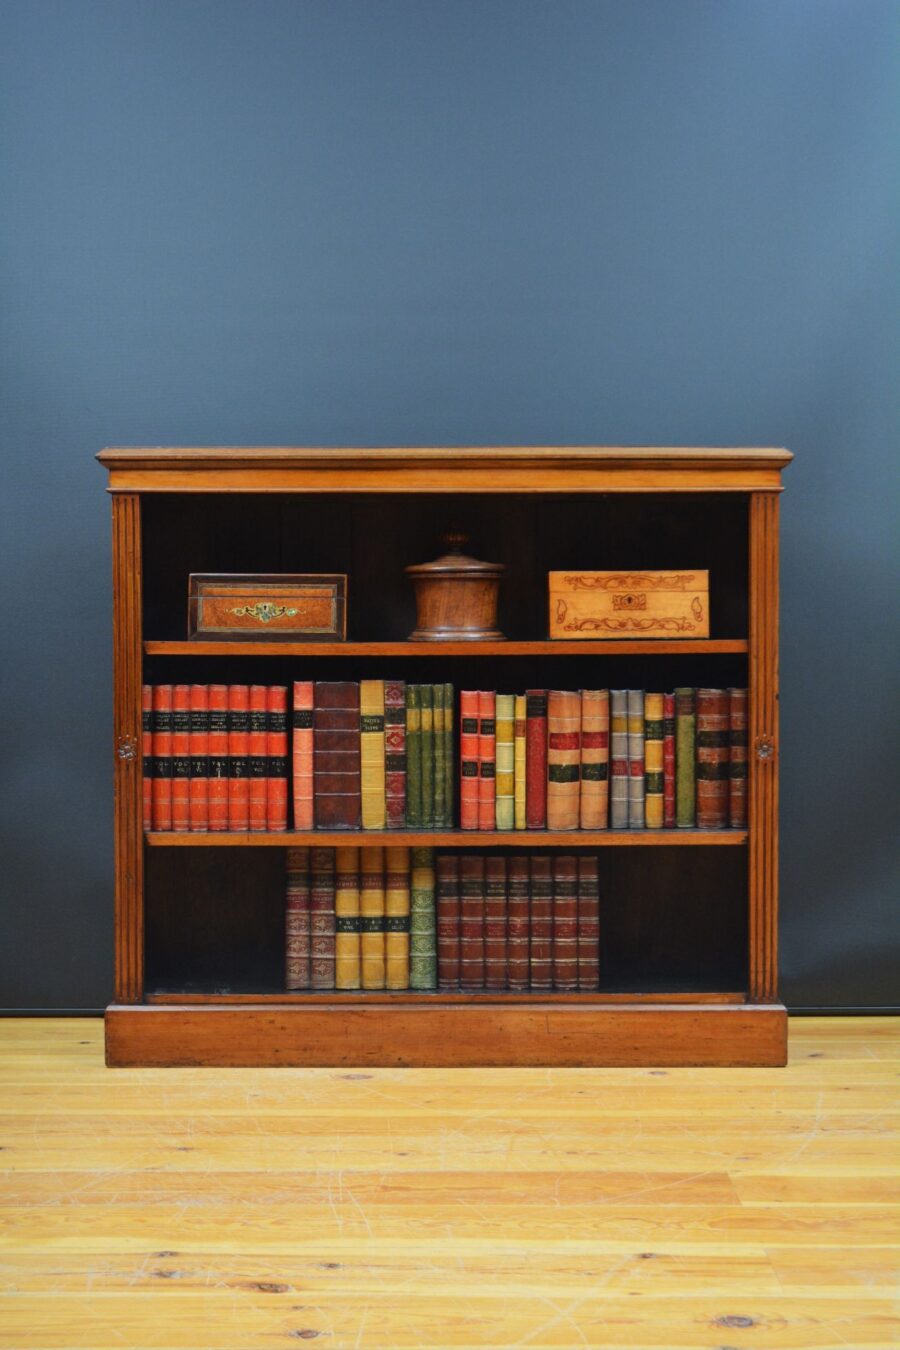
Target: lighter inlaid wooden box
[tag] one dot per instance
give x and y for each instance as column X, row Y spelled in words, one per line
column 672, row 604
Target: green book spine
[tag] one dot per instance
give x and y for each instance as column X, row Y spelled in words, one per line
column 426, row 754
column 440, row 820
column 685, row 738
column 449, row 758
column 413, row 757
column 422, row 936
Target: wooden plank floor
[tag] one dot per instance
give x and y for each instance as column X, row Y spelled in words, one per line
column 223, row 1209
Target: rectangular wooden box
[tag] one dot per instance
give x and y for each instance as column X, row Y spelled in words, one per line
column 267, row 607
column 629, row 604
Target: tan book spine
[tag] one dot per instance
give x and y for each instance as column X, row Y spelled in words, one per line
column 594, row 759
column 396, row 918
column 346, row 919
column 371, row 920
column 563, row 759
column 653, row 761
column 371, row 741
column 506, row 776
column 519, row 757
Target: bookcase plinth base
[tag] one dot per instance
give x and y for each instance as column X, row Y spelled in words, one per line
column 522, row 1035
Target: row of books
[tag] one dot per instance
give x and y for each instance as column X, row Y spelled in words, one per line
column 398, row 918
column 603, row 758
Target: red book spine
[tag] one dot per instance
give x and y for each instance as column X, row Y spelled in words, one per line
column 238, row 748
column 217, row 789
column 468, row 759
column 181, row 757
column 712, row 759
column 276, row 757
column 147, row 754
column 588, row 924
column 541, row 923
column 257, row 766
column 495, row 910
column 447, row 869
column 162, row 757
column 565, row 922
column 536, row 759
column 518, row 927
column 302, row 755
column 471, row 922
column 297, row 920
column 737, row 759
column 668, row 761
column 199, row 785
column 395, row 754
column 322, row 918
column 487, row 759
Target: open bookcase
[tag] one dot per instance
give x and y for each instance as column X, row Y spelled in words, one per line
column 688, row 952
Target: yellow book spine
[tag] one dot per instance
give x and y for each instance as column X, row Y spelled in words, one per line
column 505, row 801
column 396, row 917
column 519, row 756
column 371, row 746
column 653, row 761
column 346, row 918
column 371, row 905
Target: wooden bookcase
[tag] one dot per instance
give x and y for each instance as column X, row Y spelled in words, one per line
column 688, row 919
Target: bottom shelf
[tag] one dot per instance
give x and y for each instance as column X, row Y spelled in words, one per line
column 326, row 1033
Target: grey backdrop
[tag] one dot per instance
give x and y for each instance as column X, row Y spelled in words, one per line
column 443, row 222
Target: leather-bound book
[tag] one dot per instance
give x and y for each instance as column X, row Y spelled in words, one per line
column 413, row 757
column 422, row 920
column 439, row 777
column 487, row 759
column 636, row 816
column 618, row 759
column 541, row 953
column 181, row 757
column 519, row 725
column 395, row 753
column 448, row 904
column 653, row 761
column 594, row 759
column 276, row 758
column 506, row 763
column 468, row 759
column 297, row 919
column 712, row 759
column 471, row 922
column 563, row 759
column 495, row 913
column 371, row 908
column 238, row 757
column 302, row 755
column 346, row 918
column 565, row 922
column 685, row 750
column 217, row 789
column 669, row 761
column 372, row 754
column 321, row 906
column 336, row 764
column 396, row 917
column 737, row 759
column 257, row 761
column 449, row 759
column 426, row 755
column 518, row 922
column 588, row 924
column 199, row 746
column 536, row 759
column 147, row 755
column 162, row 757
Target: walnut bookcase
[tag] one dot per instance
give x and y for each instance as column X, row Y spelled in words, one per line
column 688, row 918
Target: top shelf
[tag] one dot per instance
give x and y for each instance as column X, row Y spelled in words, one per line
column 631, row 647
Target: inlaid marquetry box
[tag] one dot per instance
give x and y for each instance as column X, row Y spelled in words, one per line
column 289, row 606
column 670, row 604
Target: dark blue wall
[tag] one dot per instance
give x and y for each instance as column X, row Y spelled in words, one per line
column 311, row 221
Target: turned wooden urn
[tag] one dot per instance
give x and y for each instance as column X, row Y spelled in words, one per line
column 456, row 596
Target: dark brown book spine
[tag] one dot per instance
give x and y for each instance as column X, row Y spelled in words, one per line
column 199, row 786
column 162, row 757
column 297, row 920
column 336, row 755
column 588, row 924
column 495, row 912
column 238, row 739
column 276, row 758
column 712, row 759
column 322, row 918
column 257, row 766
column 518, row 927
column 471, row 922
column 737, row 759
column 541, row 961
column 447, row 871
column 147, row 754
column 565, row 922
column 536, row 759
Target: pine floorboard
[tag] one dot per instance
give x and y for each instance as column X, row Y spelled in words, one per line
column 211, row 1209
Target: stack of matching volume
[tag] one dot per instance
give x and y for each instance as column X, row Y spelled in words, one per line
column 376, row 755
column 360, row 918
column 214, row 757
column 599, row 758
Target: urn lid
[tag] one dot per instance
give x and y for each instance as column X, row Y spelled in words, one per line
column 455, row 563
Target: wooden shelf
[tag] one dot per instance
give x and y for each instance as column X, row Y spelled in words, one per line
column 631, row 647
column 368, row 998
column 447, row 838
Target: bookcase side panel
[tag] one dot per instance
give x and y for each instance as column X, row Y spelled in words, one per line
column 763, row 748
column 128, row 836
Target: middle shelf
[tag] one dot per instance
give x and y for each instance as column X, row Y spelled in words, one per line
column 544, row 647
column 530, row 839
